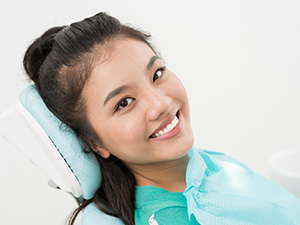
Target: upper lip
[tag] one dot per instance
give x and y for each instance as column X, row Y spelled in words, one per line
column 165, row 122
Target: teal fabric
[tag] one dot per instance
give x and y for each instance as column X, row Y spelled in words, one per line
column 85, row 167
column 167, row 207
column 220, row 191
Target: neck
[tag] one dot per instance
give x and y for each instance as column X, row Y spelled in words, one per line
column 167, row 175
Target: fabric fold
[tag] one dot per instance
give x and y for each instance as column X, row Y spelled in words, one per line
column 221, row 190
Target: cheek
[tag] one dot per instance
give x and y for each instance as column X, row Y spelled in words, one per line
column 125, row 130
column 177, row 90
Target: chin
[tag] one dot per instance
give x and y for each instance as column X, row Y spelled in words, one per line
column 186, row 144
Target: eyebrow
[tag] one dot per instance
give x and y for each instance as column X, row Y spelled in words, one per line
column 125, row 87
column 115, row 92
column 152, row 61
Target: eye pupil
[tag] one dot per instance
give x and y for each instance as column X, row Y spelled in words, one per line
column 123, row 103
column 155, row 77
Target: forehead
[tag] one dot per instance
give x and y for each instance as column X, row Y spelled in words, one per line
column 122, row 52
column 118, row 62
column 121, row 56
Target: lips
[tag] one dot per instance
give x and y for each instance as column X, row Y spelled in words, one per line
column 167, row 127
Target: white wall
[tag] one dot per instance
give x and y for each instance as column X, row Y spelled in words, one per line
column 239, row 61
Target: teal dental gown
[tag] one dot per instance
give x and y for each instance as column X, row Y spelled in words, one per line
column 220, row 191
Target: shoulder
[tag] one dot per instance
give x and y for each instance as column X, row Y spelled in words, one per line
column 217, row 157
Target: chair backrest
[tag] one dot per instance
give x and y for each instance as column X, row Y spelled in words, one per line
column 51, row 145
column 55, row 149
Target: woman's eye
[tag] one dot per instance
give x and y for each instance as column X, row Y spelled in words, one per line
column 123, row 103
column 158, row 73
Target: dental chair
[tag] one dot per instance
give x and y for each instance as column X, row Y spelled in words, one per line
column 54, row 148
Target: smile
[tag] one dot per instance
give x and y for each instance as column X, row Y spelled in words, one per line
column 170, row 128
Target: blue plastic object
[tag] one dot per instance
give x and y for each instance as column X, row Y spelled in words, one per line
column 93, row 216
column 84, row 166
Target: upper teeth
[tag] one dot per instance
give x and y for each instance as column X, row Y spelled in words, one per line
column 168, row 128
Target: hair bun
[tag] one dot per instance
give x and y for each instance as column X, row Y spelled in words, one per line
column 38, row 51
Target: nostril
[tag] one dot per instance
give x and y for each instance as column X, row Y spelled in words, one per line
column 158, row 103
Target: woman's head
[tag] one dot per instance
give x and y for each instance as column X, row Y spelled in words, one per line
column 106, row 81
column 133, row 102
column 61, row 60
column 75, row 67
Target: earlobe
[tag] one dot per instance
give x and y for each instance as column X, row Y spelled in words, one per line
column 101, row 151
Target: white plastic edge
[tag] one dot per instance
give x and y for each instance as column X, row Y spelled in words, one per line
column 20, row 129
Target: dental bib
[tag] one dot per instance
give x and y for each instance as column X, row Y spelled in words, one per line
column 223, row 191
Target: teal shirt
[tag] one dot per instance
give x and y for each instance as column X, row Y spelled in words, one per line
column 168, row 207
column 220, row 191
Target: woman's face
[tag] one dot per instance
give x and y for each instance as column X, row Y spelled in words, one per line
column 137, row 107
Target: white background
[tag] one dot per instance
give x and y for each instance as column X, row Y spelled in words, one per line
column 239, row 61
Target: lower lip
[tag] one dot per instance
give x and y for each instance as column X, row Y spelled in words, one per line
column 173, row 133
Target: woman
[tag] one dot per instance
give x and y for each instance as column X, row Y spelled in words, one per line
column 109, row 84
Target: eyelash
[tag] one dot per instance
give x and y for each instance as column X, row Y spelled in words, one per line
column 161, row 69
column 119, row 103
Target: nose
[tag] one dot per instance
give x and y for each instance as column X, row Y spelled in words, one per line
column 158, row 103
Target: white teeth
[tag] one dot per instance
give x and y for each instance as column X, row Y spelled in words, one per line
column 174, row 123
column 176, row 119
column 168, row 128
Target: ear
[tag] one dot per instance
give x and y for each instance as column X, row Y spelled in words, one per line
column 101, row 151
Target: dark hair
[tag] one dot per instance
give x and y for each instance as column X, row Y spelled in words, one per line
column 60, row 62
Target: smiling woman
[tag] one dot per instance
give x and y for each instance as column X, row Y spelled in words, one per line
column 138, row 103
column 108, row 83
